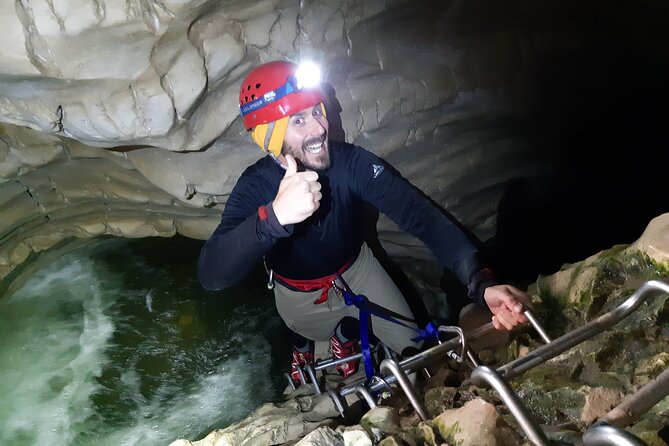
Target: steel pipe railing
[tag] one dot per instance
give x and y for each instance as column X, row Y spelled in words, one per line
column 415, row 362
column 553, row 348
column 472, row 358
column 608, row 430
column 311, row 369
column 362, row 391
column 595, row 436
column 393, row 367
column 338, row 401
column 312, row 376
column 575, row 337
column 603, row 435
column 638, row 403
column 290, row 381
column 420, row 359
column 486, row 375
column 537, row 326
column 461, row 335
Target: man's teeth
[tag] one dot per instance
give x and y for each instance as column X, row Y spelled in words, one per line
column 314, row 148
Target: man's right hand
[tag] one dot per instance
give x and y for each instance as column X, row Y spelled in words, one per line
column 299, row 195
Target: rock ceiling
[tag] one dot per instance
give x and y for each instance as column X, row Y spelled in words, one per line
column 120, row 116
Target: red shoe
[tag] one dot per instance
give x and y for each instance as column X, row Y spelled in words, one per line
column 343, row 350
column 300, row 358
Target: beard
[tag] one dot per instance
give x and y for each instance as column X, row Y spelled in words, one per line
column 308, row 159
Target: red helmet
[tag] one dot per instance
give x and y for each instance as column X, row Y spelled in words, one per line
column 272, row 91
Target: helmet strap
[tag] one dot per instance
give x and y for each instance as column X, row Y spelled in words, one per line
column 270, row 136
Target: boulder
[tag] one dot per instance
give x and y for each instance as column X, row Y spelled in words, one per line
column 477, row 423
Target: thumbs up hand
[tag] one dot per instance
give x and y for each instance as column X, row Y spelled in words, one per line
column 299, row 195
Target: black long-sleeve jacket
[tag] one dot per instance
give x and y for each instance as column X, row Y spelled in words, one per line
column 333, row 235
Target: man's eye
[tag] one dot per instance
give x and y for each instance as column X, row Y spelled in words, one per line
column 316, row 113
column 298, row 121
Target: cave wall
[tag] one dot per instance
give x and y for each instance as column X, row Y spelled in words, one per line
column 537, row 125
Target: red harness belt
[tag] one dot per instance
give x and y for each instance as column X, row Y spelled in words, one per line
column 322, row 283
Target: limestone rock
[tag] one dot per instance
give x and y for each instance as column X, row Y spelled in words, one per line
column 651, row 367
column 654, row 242
column 274, row 424
column 425, row 434
column 598, row 401
column 381, row 418
column 439, row 399
column 323, row 436
column 356, row 436
column 390, row 441
column 477, row 423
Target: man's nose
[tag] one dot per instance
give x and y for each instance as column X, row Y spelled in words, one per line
column 316, row 127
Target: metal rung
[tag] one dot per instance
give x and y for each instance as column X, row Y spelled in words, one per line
column 496, row 378
column 604, row 435
column 486, row 375
column 393, row 367
column 290, row 381
column 537, row 326
column 362, row 391
column 311, row 369
column 461, row 335
column 638, row 403
column 575, row 337
column 338, row 401
column 419, row 360
column 312, row 377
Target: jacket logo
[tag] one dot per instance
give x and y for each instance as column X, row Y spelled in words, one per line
column 377, row 169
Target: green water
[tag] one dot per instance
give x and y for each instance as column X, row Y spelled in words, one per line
column 116, row 344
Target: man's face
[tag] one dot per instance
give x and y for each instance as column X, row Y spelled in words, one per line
column 307, row 139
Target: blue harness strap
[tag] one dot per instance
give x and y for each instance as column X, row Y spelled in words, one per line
column 368, row 308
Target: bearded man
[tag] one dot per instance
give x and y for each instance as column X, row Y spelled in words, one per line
column 300, row 207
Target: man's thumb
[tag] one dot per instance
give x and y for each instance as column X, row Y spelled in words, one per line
column 291, row 168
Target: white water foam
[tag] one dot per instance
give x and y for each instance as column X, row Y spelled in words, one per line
column 228, row 394
column 56, row 334
column 50, row 357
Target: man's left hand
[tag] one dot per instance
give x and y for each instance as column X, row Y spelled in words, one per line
column 506, row 304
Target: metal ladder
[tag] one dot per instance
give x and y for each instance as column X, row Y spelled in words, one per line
column 394, row 372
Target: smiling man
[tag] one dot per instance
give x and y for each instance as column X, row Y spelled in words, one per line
column 300, row 208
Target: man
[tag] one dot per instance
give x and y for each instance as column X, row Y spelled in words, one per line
column 300, row 208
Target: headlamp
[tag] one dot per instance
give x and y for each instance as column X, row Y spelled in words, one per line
column 307, row 75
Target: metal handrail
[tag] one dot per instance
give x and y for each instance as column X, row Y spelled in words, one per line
column 311, row 369
column 638, row 403
column 537, row 326
column 338, row 401
column 393, row 367
column 594, row 436
column 486, row 375
column 418, row 360
column 461, row 335
column 312, row 376
column 604, row 435
column 575, row 337
column 362, row 391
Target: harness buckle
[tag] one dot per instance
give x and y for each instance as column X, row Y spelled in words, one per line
column 270, row 273
column 270, row 282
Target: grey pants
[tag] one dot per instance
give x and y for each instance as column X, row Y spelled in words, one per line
column 319, row 321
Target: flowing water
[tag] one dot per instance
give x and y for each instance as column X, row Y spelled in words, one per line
column 116, row 344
